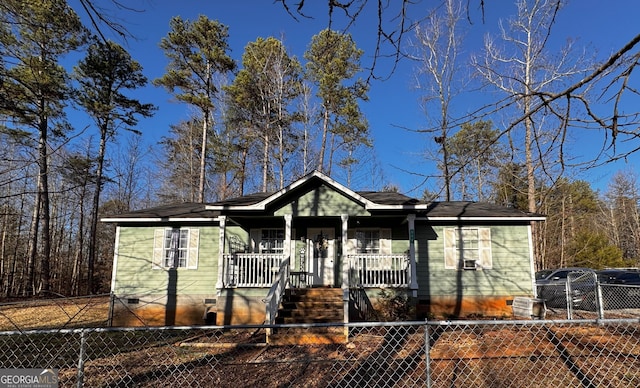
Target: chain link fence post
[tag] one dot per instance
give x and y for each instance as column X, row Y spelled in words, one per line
column 112, row 299
column 569, row 298
column 599, row 300
column 427, row 350
column 81, row 356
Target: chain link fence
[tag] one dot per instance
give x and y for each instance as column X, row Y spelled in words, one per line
column 582, row 295
column 513, row 353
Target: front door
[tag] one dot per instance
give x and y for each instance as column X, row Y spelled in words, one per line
column 321, row 248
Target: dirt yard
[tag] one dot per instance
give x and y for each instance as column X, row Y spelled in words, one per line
column 548, row 355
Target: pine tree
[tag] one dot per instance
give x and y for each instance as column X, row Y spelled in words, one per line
column 197, row 52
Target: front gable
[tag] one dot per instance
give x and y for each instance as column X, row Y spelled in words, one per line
column 316, row 195
column 321, row 201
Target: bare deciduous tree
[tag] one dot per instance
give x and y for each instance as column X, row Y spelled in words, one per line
column 437, row 43
column 522, row 68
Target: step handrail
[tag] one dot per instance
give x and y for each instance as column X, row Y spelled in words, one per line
column 274, row 297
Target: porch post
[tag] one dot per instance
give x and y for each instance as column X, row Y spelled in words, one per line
column 345, row 273
column 287, row 237
column 345, row 262
column 222, row 229
column 413, row 281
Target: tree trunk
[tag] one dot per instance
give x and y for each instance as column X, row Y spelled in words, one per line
column 93, row 224
column 43, row 189
column 203, row 156
column 323, row 143
column 32, row 253
column 265, row 161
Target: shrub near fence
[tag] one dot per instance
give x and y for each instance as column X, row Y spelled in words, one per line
column 577, row 353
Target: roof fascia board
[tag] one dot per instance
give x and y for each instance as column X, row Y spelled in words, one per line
column 481, row 218
column 160, row 219
column 375, row 206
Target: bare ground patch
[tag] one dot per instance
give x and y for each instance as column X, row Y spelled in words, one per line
column 55, row 313
column 482, row 355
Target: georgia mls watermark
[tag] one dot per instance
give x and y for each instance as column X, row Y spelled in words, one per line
column 28, row 378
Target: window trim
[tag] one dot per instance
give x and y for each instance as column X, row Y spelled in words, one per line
column 384, row 241
column 278, row 244
column 190, row 252
column 175, row 254
column 483, row 256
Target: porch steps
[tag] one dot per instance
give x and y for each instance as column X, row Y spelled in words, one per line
column 310, row 305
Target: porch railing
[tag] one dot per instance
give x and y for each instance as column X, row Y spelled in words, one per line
column 251, row 269
column 376, row 270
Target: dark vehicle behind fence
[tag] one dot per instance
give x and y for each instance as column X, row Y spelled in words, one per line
column 552, row 286
column 620, row 288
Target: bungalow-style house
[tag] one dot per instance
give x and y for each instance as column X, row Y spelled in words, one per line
column 236, row 261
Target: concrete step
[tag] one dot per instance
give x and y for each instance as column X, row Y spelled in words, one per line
column 311, row 304
column 319, row 336
column 324, row 318
column 315, row 292
column 311, row 312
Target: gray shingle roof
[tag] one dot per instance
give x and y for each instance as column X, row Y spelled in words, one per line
column 387, row 201
column 176, row 210
column 465, row 209
column 388, row 198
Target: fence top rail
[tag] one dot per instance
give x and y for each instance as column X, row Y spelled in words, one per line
column 455, row 323
column 378, row 255
column 535, row 322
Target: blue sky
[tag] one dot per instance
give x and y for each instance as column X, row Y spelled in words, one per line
column 393, row 104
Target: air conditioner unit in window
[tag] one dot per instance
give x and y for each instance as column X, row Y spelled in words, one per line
column 469, row 264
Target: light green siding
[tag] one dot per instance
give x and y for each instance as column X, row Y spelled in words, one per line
column 322, row 201
column 400, row 240
column 136, row 276
column 510, row 273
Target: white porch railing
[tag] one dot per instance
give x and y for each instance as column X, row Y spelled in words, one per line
column 377, row 270
column 251, row 269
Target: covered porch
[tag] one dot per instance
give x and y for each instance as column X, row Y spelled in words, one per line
column 334, row 255
column 326, row 256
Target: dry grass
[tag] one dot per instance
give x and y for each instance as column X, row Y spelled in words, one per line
column 55, row 313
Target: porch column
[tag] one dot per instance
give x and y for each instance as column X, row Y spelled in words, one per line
column 287, row 237
column 345, row 273
column 345, row 262
column 413, row 281
column 222, row 230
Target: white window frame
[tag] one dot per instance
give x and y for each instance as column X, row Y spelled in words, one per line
column 368, row 241
column 272, row 243
column 381, row 247
column 176, row 248
column 467, row 248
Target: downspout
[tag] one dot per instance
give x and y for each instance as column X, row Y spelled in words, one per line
column 345, row 263
column 532, row 270
column 287, row 238
column 114, row 270
column 221, row 244
column 413, row 281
